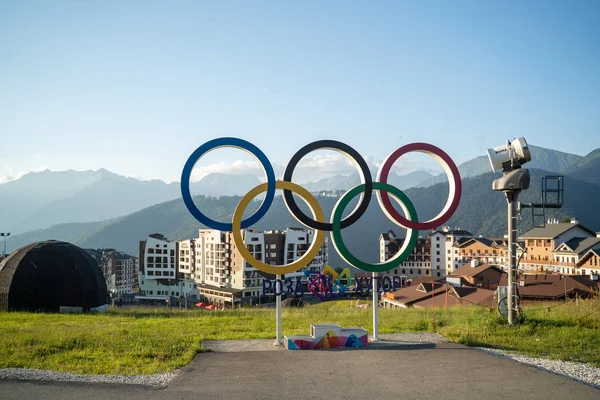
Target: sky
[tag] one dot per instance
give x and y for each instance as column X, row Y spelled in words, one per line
column 136, row 86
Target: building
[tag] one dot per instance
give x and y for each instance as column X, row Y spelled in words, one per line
column 159, row 278
column 483, row 250
column 224, row 278
column 51, row 276
column 445, row 254
column 120, row 271
column 431, row 292
column 553, row 286
column 484, row 276
column 557, row 247
column 436, row 255
column 589, row 264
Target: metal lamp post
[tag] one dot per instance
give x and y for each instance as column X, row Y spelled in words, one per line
column 5, row 235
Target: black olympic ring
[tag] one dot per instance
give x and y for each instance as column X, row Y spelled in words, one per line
column 359, row 162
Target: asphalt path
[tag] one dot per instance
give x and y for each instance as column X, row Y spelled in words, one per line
column 415, row 371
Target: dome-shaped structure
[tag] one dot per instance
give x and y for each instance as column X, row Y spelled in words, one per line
column 46, row 276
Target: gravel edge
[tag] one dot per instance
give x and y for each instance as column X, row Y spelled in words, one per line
column 41, row 375
column 581, row 372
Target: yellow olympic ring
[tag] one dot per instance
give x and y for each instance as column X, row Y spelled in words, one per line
column 303, row 261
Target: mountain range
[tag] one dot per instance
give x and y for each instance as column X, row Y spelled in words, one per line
column 102, row 209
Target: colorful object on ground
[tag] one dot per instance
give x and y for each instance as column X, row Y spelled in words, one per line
column 409, row 221
column 328, row 285
column 328, row 336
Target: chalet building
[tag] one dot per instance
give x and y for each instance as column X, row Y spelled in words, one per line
column 553, row 286
column 485, row 276
column 437, row 293
column 483, row 250
column 589, row 264
column 557, row 247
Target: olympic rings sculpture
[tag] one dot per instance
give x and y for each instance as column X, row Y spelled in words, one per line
column 317, row 221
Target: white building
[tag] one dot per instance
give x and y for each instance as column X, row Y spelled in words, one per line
column 224, row 277
column 159, row 275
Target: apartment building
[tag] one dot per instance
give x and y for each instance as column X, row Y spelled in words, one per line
column 436, row 255
column 159, row 278
column 120, row 271
column 225, row 278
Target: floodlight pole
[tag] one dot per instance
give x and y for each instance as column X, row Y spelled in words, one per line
column 511, row 198
column 278, row 340
column 375, row 291
column 5, row 236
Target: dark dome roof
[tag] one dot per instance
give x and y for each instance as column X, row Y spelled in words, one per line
column 44, row 276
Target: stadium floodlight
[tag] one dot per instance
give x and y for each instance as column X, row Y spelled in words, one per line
column 510, row 157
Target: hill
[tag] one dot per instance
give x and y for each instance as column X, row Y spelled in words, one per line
column 587, row 168
column 554, row 161
column 64, row 232
column 41, row 200
column 482, row 211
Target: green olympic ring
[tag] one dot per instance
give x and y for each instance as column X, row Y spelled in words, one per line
column 407, row 246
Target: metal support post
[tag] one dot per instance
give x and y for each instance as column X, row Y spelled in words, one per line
column 375, row 308
column 279, row 339
column 511, row 198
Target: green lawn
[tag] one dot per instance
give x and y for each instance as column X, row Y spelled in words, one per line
column 145, row 341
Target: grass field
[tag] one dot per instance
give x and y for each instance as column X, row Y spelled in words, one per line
column 145, row 341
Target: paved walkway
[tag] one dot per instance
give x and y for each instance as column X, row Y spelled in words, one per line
column 404, row 369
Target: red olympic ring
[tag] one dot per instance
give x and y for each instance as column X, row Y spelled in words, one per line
column 454, row 182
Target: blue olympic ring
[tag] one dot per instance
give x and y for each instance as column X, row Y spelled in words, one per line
column 215, row 144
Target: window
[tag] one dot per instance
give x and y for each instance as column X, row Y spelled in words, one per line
column 419, row 272
column 403, row 272
column 150, row 251
column 438, row 274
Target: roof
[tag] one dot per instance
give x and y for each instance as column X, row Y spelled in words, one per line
column 388, row 234
column 551, row 286
column 409, row 295
column 460, row 296
column 553, row 231
column 468, row 270
column 455, row 232
column 123, row 256
column 591, row 252
column 422, row 296
column 489, row 242
column 579, row 245
column 219, row 289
